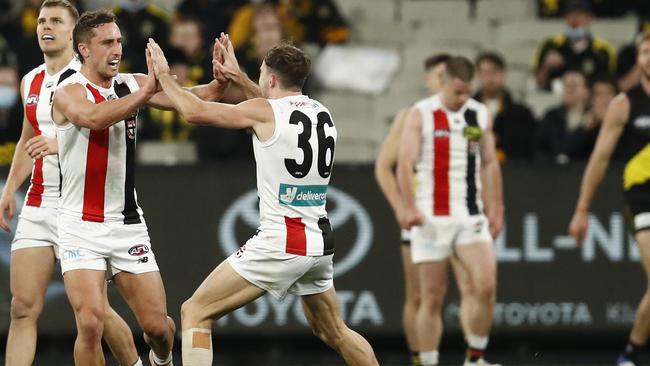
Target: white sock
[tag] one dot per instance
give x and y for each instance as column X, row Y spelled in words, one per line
column 138, row 363
column 429, row 358
column 200, row 355
column 476, row 342
column 161, row 361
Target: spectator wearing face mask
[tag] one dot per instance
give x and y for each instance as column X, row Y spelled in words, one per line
column 575, row 49
column 10, row 106
column 140, row 20
column 566, row 131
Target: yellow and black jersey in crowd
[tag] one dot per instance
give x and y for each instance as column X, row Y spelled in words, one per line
column 597, row 59
column 636, row 176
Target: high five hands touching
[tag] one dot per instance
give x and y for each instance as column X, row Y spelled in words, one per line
column 227, row 65
column 156, row 62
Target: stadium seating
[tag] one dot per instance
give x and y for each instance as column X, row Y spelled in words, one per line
column 419, row 28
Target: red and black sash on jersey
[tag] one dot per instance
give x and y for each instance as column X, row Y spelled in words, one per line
column 35, row 194
column 130, row 212
column 472, row 204
column 97, row 165
column 441, row 159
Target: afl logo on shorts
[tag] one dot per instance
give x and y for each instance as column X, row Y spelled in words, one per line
column 138, row 250
column 31, row 99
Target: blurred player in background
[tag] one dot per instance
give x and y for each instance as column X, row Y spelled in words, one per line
column 385, row 175
column 448, row 140
column 626, row 119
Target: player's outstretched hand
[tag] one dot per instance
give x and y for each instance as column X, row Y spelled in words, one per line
column 39, row 146
column 158, row 60
column 230, row 66
column 151, row 85
column 578, row 226
column 217, row 58
column 7, row 211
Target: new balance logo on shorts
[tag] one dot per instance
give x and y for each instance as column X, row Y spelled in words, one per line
column 292, row 195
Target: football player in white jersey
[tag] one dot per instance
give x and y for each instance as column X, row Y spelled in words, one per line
column 101, row 226
column 294, row 140
column 448, row 139
column 386, row 176
column 35, row 244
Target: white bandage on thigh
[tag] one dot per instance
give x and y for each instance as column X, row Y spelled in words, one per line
column 138, row 363
column 197, row 351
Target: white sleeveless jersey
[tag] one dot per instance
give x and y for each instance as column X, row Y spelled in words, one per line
column 293, row 171
column 98, row 166
column 38, row 89
column 448, row 170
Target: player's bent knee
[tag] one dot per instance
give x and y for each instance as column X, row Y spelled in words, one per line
column 188, row 311
column 156, row 327
column 432, row 304
column 89, row 324
column 486, row 290
column 414, row 297
column 22, row 308
column 192, row 314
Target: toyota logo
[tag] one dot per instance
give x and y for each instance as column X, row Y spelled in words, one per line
column 347, row 208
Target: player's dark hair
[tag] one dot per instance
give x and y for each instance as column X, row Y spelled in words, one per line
column 460, row 67
column 84, row 30
column 63, row 4
column 290, row 64
column 435, row 60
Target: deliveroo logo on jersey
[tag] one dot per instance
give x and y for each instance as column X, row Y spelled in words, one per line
column 293, row 195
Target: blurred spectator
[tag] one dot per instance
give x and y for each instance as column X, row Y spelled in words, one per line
column 628, row 73
column 576, row 49
column 169, row 125
column 187, row 36
column 603, row 91
column 10, row 106
column 267, row 32
column 214, row 14
column 140, row 20
column 8, row 18
column 310, row 21
column 514, row 124
column 565, row 132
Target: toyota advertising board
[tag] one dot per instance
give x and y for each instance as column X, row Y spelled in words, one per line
column 199, row 215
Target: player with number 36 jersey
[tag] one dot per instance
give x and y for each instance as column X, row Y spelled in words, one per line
column 294, row 140
column 293, row 171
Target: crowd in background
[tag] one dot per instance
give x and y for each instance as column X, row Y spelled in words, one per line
column 581, row 67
